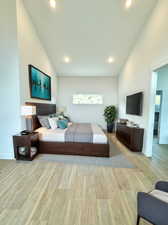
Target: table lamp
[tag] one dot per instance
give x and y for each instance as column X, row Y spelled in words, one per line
column 62, row 110
column 28, row 111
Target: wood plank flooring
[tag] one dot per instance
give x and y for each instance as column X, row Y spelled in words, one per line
column 47, row 193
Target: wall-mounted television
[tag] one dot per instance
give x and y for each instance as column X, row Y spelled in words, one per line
column 134, row 104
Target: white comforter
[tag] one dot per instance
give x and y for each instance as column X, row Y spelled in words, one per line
column 58, row 135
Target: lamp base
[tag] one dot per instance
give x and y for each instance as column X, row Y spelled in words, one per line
column 29, row 124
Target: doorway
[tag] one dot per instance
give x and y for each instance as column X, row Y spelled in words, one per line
column 160, row 127
column 157, row 116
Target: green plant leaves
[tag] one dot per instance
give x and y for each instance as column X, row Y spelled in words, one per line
column 110, row 114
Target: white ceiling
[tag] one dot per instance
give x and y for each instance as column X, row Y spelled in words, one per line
column 89, row 31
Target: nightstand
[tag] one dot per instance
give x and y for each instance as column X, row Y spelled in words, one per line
column 26, row 146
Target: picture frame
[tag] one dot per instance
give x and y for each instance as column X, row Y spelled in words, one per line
column 40, row 84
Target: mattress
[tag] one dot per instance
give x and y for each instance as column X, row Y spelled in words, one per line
column 58, row 135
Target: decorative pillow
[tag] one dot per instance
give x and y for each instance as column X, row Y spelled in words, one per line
column 61, row 117
column 62, row 124
column 44, row 121
column 70, row 124
column 53, row 123
column 67, row 118
column 53, row 115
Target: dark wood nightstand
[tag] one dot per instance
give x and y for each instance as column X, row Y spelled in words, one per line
column 26, row 146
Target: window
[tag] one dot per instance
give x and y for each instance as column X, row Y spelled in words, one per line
column 87, row 99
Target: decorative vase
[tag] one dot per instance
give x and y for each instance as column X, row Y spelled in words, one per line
column 110, row 127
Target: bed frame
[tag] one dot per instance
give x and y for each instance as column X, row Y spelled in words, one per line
column 66, row 148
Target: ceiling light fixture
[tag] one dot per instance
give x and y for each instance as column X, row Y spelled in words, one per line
column 128, row 4
column 110, row 60
column 66, row 59
column 53, row 4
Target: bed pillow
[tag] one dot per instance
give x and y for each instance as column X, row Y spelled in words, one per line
column 67, row 118
column 53, row 122
column 44, row 121
column 60, row 116
column 70, row 124
column 62, row 124
column 53, row 115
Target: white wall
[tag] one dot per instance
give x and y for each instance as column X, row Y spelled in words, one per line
column 9, row 78
column 162, row 84
column 151, row 49
column 19, row 47
column 31, row 52
column 106, row 86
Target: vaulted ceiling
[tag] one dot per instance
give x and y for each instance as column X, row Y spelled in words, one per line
column 89, row 32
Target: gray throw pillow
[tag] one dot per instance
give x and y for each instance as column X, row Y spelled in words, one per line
column 53, row 115
column 44, row 121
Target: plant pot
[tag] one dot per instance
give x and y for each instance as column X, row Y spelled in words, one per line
column 110, row 128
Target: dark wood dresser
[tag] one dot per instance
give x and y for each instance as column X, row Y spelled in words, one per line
column 131, row 137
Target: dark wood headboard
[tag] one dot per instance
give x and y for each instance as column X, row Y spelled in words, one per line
column 42, row 109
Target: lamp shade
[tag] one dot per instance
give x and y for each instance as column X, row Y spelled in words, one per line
column 62, row 109
column 27, row 110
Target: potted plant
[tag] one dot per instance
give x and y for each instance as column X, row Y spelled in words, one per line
column 110, row 114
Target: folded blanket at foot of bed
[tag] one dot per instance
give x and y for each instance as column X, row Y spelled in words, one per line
column 79, row 132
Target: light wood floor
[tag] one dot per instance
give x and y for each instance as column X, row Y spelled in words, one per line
column 46, row 193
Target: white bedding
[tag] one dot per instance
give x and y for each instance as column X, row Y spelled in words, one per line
column 58, row 135
column 99, row 136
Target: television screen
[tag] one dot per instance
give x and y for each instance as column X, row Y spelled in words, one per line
column 134, row 104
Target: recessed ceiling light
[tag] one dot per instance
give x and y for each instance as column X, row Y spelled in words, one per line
column 67, row 59
column 128, row 4
column 53, row 4
column 110, row 60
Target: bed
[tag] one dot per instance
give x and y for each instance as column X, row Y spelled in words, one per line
column 55, row 142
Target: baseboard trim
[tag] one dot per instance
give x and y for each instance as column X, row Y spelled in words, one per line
column 148, row 155
column 8, row 155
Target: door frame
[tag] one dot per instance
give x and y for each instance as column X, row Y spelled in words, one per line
column 152, row 94
column 160, row 113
